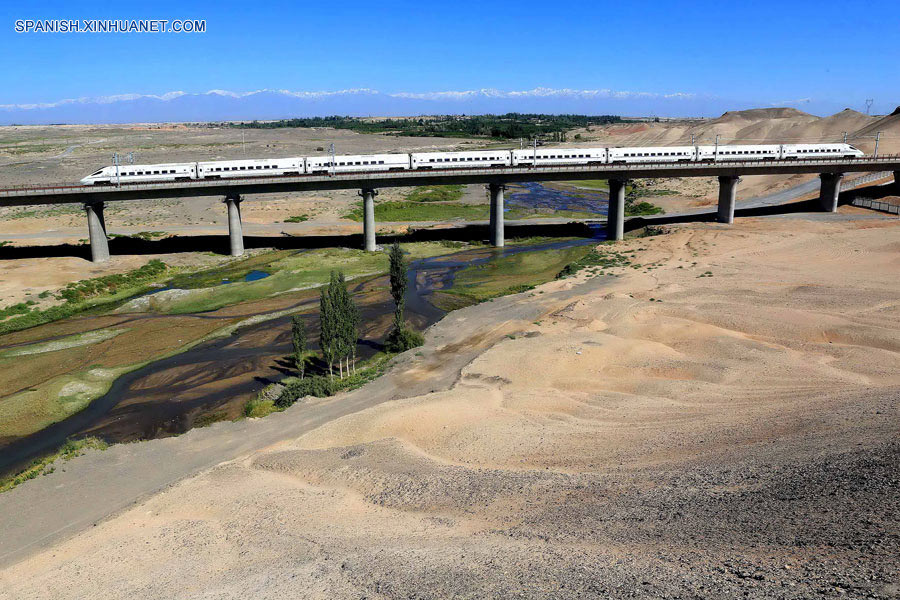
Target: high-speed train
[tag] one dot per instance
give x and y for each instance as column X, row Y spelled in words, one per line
column 229, row 169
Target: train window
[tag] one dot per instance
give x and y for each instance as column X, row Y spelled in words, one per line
column 380, row 162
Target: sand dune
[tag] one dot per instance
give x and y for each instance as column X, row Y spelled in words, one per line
column 674, row 433
column 755, row 126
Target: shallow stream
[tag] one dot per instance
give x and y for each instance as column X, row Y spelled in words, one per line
column 214, row 379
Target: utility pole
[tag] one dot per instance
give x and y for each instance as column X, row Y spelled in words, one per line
column 534, row 161
column 116, row 162
column 716, row 156
column 869, row 102
column 845, row 137
column 692, row 139
column 243, row 150
column 877, row 137
column 332, row 159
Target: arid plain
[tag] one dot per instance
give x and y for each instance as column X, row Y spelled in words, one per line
column 721, row 421
column 717, row 419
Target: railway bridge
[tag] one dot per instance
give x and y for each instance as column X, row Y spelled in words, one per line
column 831, row 171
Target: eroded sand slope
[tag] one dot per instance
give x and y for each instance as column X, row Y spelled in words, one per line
column 740, row 436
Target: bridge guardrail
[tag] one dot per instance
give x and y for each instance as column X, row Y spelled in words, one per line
column 887, row 207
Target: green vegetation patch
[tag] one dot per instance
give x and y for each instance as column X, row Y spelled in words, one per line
column 514, row 273
column 297, row 218
column 45, row 465
column 146, row 236
column 322, row 386
column 72, row 341
column 593, row 184
column 290, row 271
column 278, row 397
column 43, row 213
column 33, row 409
column 232, row 271
column 422, row 211
column 80, row 291
column 597, row 257
column 87, row 294
column 22, row 308
column 425, row 203
column 636, row 209
column 436, row 193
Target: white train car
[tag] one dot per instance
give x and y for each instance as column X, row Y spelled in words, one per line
column 461, row 160
column 793, row 151
column 142, row 173
column 357, row 162
column 267, row 167
column 559, row 156
column 741, row 152
column 652, row 154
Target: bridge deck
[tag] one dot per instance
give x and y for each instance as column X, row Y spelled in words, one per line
column 360, row 180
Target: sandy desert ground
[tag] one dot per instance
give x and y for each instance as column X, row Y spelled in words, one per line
column 719, row 422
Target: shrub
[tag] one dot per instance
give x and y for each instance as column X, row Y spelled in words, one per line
column 401, row 339
column 315, row 385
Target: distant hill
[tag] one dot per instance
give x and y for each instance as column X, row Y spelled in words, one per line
column 223, row 105
column 889, row 127
column 758, row 114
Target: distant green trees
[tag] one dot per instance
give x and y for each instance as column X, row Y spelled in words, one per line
column 401, row 337
column 339, row 325
column 506, row 126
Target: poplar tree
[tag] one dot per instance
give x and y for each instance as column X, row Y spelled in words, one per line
column 340, row 324
column 298, row 339
column 327, row 329
column 401, row 337
column 351, row 322
column 398, row 283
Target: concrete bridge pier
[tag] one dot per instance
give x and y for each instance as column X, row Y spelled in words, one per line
column 896, row 177
column 235, row 228
column 829, row 191
column 97, row 232
column 368, row 196
column 615, row 218
column 497, row 233
column 727, row 196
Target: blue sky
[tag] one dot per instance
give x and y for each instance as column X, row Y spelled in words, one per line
column 756, row 53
